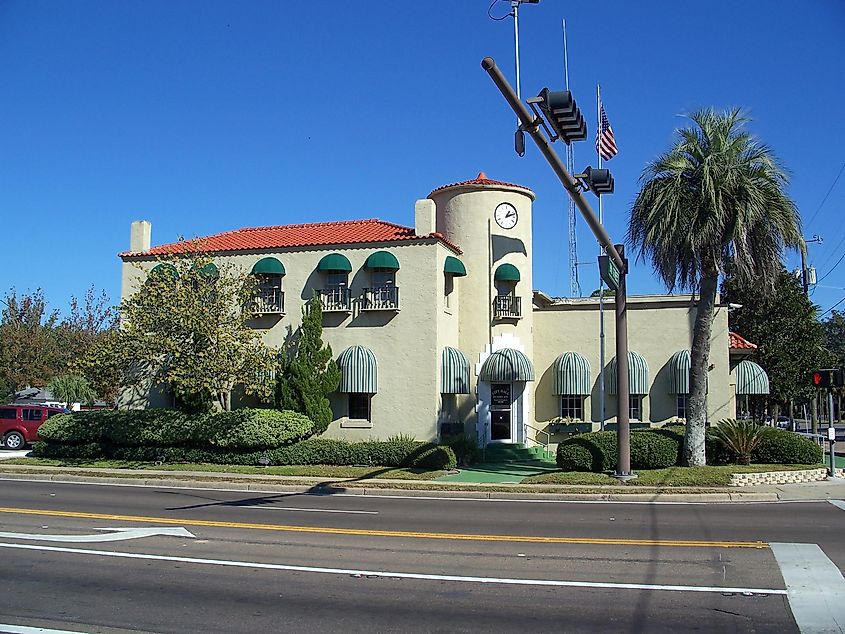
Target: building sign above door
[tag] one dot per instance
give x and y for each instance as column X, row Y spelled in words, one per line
column 500, row 396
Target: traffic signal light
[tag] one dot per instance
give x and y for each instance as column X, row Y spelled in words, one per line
column 563, row 115
column 828, row 377
column 598, row 181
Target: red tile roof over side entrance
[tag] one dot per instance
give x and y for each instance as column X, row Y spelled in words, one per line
column 739, row 343
column 301, row 235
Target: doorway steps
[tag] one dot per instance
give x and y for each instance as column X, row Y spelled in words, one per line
column 503, row 453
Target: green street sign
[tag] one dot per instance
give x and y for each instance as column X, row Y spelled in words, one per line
column 609, row 272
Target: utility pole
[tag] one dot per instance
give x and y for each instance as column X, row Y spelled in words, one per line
column 806, row 275
column 531, row 124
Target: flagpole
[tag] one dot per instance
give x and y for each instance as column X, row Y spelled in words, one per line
column 602, row 416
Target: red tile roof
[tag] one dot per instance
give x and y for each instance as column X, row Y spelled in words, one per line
column 302, row 235
column 739, row 343
column 482, row 180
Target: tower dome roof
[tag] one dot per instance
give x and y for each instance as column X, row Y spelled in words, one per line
column 481, row 181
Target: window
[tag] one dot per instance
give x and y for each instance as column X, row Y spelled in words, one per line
column 383, row 279
column 32, row 414
column 8, row 413
column 337, row 279
column 683, row 399
column 359, row 406
column 270, row 295
column 572, row 407
column 635, row 407
column 448, row 289
column 53, row 412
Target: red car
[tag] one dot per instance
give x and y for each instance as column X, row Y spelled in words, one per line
column 19, row 423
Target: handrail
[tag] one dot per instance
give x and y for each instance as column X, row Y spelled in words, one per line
column 542, row 431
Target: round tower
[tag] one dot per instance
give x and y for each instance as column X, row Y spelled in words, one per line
column 490, row 221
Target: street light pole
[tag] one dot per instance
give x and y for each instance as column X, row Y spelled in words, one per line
column 531, row 124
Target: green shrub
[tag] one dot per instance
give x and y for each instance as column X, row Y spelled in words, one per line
column 314, row 451
column 786, row 447
column 739, row 438
column 596, row 451
column 257, row 429
column 654, row 450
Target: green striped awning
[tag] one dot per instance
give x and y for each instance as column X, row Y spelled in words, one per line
column 358, row 370
column 165, row 268
column 334, row 262
column 210, row 271
column 506, row 273
column 382, row 260
column 506, row 365
column 750, row 378
column 454, row 372
column 572, row 375
column 454, row 266
column 637, row 374
column 268, row 266
column 679, row 366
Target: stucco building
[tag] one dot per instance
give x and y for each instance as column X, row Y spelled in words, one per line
column 438, row 327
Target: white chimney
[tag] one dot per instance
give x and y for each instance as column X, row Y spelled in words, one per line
column 139, row 236
column 425, row 216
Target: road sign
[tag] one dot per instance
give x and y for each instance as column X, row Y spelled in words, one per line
column 609, row 272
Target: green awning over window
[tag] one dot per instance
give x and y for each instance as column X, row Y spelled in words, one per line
column 637, row 375
column 454, row 267
column 358, row 371
column 334, row 262
column 679, row 366
column 268, row 266
column 507, row 273
column 454, row 372
column 750, row 378
column 572, row 375
column 210, row 271
column 506, row 365
column 382, row 260
column 165, row 268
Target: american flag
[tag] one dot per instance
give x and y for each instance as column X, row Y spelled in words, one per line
column 605, row 144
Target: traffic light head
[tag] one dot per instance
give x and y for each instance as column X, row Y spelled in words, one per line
column 827, row 378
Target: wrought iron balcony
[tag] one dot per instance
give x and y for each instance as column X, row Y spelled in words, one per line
column 382, row 298
column 507, row 307
column 334, row 300
column 270, row 301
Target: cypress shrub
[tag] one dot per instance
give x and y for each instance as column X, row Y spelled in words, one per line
column 786, row 447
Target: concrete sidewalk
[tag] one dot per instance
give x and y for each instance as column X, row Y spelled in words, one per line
column 815, row 491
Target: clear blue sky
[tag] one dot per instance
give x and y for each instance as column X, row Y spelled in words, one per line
column 204, row 116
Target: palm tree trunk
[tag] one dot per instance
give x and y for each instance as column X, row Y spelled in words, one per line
column 699, row 359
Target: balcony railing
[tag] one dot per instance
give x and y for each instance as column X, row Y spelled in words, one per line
column 507, row 307
column 270, row 301
column 383, row 298
column 334, row 300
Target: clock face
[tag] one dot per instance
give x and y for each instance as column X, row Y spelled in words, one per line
column 505, row 216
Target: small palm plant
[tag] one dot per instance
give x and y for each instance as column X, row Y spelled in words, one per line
column 739, row 437
column 72, row 389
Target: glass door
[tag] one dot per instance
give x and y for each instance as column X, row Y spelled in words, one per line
column 500, row 412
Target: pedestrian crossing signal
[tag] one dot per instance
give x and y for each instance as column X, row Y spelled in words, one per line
column 829, row 377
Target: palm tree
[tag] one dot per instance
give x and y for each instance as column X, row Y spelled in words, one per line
column 72, row 389
column 714, row 204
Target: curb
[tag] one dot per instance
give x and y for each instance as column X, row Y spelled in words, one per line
column 319, row 486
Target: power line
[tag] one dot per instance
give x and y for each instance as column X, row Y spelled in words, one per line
column 824, row 200
column 832, row 307
column 841, row 257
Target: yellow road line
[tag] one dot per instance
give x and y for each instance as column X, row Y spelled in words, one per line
column 382, row 533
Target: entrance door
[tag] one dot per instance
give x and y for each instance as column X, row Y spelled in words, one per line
column 500, row 425
column 500, row 412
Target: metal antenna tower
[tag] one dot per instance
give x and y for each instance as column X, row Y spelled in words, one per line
column 574, row 284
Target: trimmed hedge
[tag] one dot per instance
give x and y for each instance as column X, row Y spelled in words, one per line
column 241, row 429
column 662, row 447
column 596, row 451
column 322, row 451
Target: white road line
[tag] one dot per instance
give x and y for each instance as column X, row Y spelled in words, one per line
column 114, row 534
column 815, row 587
column 838, row 503
column 293, row 508
column 396, row 575
column 21, row 629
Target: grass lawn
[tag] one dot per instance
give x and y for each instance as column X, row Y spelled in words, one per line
column 311, row 471
column 671, row 477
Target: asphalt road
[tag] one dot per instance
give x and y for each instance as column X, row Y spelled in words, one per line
column 308, row 563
